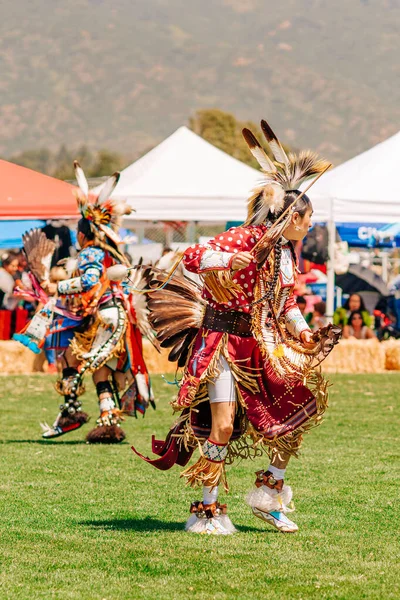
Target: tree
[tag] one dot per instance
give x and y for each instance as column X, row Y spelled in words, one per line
column 106, row 162
column 63, row 168
column 224, row 131
column 60, row 163
column 39, row 160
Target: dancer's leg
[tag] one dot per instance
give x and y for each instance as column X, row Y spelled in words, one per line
column 71, row 416
column 210, row 516
column 271, row 497
column 222, row 415
column 108, row 429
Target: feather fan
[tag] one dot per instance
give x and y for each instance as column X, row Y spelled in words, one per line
column 139, row 279
column 176, row 313
column 39, row 251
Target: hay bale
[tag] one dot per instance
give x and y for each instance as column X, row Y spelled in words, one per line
column 350, row 356
column 156, row 362
column 356, row 356
column 392, row 355
column 16, row 359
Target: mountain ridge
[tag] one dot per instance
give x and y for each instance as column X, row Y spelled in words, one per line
column 323, row 74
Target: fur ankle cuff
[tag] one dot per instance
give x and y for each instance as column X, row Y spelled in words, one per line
column 270, row 500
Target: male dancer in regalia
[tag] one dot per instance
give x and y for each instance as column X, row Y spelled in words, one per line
column 91, row 320
column 250, row 381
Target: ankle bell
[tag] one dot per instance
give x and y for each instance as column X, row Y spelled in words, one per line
column 266, row 478
column 208, row 511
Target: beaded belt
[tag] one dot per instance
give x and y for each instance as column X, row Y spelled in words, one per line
column 231, row 321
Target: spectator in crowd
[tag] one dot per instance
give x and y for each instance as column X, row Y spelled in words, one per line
column 22, row 268
column 20, row 282
column 301, row 303
column 394, row 301
column 354, row 303
column 61, row 235
column 8, row 271
column 317, row 318
column 357, row 328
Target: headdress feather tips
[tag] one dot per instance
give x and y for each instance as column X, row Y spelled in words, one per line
column 104, row 213
column 284, row 173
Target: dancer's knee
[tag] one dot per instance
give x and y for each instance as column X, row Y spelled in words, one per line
column 222, row 432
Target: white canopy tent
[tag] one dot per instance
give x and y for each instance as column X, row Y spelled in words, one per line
column 186, row 179
column 364, row 189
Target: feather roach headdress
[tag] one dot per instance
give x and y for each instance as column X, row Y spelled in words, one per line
column 103, row 213
column 286, row 172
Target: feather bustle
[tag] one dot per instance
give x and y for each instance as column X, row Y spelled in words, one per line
column 175, row 313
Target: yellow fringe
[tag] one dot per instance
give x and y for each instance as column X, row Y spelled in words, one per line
column 197, row 392
column 247, row 379
column 205, row 472
column 82, row 342
column 213, row 369
column 221, row 286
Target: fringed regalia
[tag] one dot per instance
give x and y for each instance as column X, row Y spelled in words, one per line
column 249, row 320
column 96, row 315
column 280, row 392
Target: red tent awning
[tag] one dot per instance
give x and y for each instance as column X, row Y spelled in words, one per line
column 27, row 194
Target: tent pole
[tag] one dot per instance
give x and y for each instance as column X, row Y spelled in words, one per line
column 140, row 232
column 169, row 236
column 385, row 266
column 191, row 232
column 330, row 286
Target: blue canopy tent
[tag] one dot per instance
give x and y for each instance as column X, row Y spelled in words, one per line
column 11, row 232
column 370, row 235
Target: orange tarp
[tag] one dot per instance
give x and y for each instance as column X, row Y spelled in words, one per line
column 27, row 194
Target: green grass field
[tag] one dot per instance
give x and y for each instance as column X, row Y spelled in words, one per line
column 91, row 522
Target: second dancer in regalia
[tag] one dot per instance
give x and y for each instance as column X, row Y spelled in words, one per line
column 93, row 319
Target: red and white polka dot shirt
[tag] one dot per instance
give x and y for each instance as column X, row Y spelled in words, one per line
column 217, row 255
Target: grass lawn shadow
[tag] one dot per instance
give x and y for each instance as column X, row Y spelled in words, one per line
column 54, row 442
column 250, row 529
column 45, row 442
column 148, row 524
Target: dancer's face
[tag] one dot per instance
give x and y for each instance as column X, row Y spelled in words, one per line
column 299, row 226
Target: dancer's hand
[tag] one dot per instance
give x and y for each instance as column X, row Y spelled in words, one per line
column 306, row 338
column 241, row 260
column 49, row 287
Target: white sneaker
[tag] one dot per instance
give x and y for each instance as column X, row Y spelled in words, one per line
column 271, row 506
column 209, row 522
column 277, row 519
